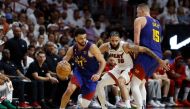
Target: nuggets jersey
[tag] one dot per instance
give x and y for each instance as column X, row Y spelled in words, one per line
column 150, row 37
column 151, row 34
column 87, row 66
column 123, row 59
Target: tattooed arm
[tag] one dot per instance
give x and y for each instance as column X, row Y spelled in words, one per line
column 141, row 49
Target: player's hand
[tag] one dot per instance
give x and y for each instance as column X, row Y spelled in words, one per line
column 95, row 77
column 164, row 65
column 63, row 62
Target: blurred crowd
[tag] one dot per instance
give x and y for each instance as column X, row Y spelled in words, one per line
column 35, row 35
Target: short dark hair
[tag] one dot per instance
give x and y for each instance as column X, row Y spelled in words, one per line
column 79, row 31
column 30, row 47
column 40, row 52
column 115, row 33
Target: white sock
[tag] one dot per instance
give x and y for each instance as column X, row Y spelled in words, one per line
column 117, row 98
column 127, row 102
column 186, row 93
column 176, row 93
column 136, row 93
column 171, row 99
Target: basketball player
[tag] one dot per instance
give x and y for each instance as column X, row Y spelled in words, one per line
column 119, row 75
column 89, row 64
column 147, row 33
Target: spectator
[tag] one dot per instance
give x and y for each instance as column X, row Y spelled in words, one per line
column 98, row 29
column 91, row 36
column 16, row 77
column 103, row 38
column 154, row 93
column 1, row 48
column 183, row 19
column 39, row 73
column 18, row 48
column 40, row 41
column 165, row 82
column 6, row 91
column 170, row 17
column 168, row 55
column 76, row 20
column 177, row 73
column 62, row 52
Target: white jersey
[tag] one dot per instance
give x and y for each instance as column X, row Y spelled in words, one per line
column 123, row 59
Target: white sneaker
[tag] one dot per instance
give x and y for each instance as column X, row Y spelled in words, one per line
column 110, row 105
column 153, row 104
column 160, row 104
column 121, row 104
column 172, row 102
column 128, row 104
column 168, row 104
column 95, row 104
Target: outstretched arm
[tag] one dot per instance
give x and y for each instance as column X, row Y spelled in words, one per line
column 136, row 48
column 69, row 54
column 102, row 63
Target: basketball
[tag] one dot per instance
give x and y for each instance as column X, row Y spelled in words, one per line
column 63, row 70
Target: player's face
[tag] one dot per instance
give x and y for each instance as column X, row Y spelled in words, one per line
column 139, row 12
column 114, row 40
column 81, row 39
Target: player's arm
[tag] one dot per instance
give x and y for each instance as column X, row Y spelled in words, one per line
column 102, row 63
column 138, row 25
column 69, row 54
column 103, row 48
column 141, row 49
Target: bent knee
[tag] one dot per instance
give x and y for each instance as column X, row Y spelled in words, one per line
column 121, row 81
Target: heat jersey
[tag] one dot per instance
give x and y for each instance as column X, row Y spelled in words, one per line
column 123, row 59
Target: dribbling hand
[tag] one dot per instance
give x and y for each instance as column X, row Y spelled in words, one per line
column 95, row 77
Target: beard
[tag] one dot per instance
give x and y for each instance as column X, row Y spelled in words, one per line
column 82, row 44
column 114, row 47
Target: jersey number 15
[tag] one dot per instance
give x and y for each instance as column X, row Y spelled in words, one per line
column 156, row 35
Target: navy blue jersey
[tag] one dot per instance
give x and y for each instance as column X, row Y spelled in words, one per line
column 150, row 37
column 86, row 65
column 151, row 34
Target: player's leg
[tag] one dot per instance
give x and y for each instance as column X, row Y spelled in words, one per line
column 87, row 93
column 106, row 80
column 135, row 88
column 123, row 80
column 66, row 96
column 76, row 81
column 115, row 90
column 143, row 91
